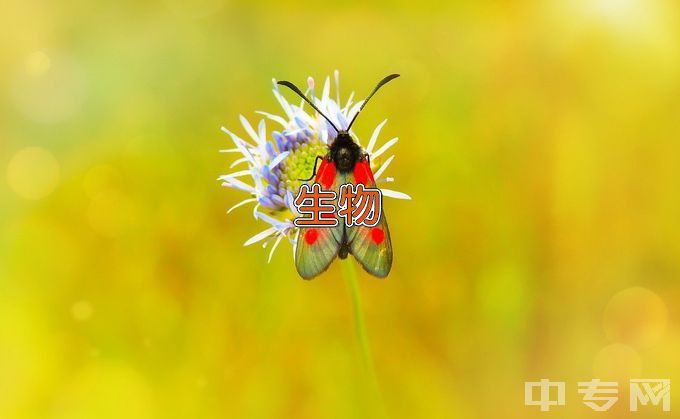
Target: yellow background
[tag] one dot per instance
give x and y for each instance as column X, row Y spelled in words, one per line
column 538, row 139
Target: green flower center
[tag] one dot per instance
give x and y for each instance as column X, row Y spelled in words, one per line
column 300, row 164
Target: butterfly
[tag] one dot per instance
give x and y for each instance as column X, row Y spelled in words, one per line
column 344, row 163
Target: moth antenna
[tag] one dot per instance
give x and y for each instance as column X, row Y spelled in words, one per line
column 378, row 86
column 294, row 88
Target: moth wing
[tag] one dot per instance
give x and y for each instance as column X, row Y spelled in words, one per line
column 317, row 247
column 371, row 246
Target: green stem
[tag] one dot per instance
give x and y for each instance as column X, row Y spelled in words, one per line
column 349, row 272
column 360, row 325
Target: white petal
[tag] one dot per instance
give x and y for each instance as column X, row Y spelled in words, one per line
column 245, row 151
column 235, row 174
column 374, row 136
column 349, row 102
column 336, row 74
column 262, row 131
column 302, row 101
column 294, row 242
column 279, row 225
column 353, row 111
column 276, row 243
column 291, row 235
column 257, row 178
column 383, row 167
column 278, row 159
column 235, row 137
column 290, row 203
column 384, row 148
column 260, row 236
column 245, row 201
column 230, row 150
column 309, row 119
column 241, row 160
column 235, row 183
column 249, row 129
column 326, row 89
column 241, row 145
column 284, row 103
column 394, row 194
column 386, row 180
column 274, row 118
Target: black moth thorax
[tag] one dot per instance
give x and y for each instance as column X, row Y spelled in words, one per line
column 344, row 152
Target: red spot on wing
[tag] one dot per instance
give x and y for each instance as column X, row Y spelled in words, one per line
column 362, row 173
column 377, row 235
column 311, row 236
column 326, row 174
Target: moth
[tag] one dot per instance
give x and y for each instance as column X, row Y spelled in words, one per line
column 345, row 162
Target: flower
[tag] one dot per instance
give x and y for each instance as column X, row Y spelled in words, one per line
column 276, row 161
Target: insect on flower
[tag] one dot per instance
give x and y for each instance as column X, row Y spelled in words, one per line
column 344, row 163
column 280, row 167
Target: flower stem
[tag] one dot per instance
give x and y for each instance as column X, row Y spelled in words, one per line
column 349, row 272
column 350, row 275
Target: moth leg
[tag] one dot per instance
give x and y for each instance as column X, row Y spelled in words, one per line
column 316, row 161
